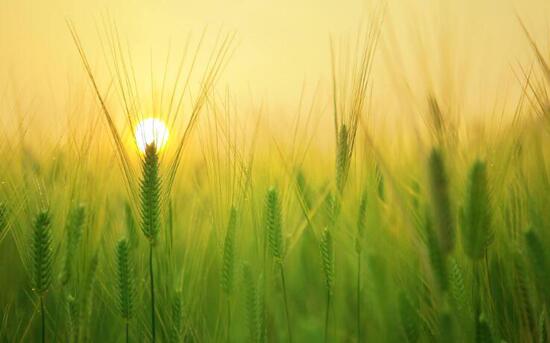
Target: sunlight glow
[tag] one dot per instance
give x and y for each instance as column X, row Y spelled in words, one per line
column 151, row 130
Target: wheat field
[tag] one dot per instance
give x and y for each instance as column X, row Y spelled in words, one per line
column 168, row 211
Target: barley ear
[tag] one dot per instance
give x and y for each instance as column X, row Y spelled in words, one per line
column 274, row 224
column 439, row 187
column 150, row 194
column 437, row 259
column 327, row 255
column 3, row 217
column 476, row 229
column 361, row 222
column 177, row 318
column 342, row 157
column 228, row 263
column 42, row 256
column 251, row 303
column 409, row 318
column 75, row 223
column 125, row 279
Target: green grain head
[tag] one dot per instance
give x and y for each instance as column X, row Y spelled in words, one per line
column 539, row 264
column 42, row 257
column 251, row 303
column 228, row 263
column 327, row 256
column 442, row 211
column 274, row 228
column 74, row 226
column 177, row 318
column 125, row 279
column 361, row 221
column 476, row 223
column 483, row 331
column 150, row 194
column 3, row 216
column 436, row 256
column 409, row 318
column 342, row 157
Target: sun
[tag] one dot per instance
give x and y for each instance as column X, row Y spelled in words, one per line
column 151, row 130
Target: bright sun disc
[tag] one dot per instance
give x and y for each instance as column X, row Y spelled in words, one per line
column 151, row 130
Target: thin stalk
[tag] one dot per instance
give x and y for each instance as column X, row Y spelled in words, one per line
column 228, row 319
column 359, row 297
column 43, row 315
column 153, row 333
column 327, row 315
column 127, row 331
column 286, row 303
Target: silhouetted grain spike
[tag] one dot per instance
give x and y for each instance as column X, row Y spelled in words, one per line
column 73, row 318
column 361, row 221
column 476, row 229
column 251, row 303
column 409, row 319
column 483, row 331
column 177, row 318
column 342, row 157
column 228, row 262
column 42, row 262
column 150, row 194
column 442, row 211
column 274, row 224
column 74, row 227
column 537, row 256
column 327, row 255
column 437, row 259
column 42, row 253
column 125, row 279
column 3, row 216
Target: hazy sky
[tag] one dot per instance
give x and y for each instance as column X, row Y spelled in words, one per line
column 280, row 44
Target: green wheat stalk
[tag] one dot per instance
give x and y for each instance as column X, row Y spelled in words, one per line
column 476, row 227
column 87, row 295
column 150, row 214
column 436, row 256
column 228, row 263
column 537, row 256
column 327, row 256
column 342, row 157
column 73, row 318
column 251, row 303
column 275, row 238
column 483, row 331
column 443, row 215
column 75, row 223
column 125, row 282
column 409, row 318
column 361, row 227
column 42, row 259
column 3, row 217
column 177, row 318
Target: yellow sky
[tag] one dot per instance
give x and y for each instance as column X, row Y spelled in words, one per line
column 280, row 44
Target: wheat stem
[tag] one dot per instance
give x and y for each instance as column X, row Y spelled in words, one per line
column 152, row 284
column 43, row 319
column 287, row 312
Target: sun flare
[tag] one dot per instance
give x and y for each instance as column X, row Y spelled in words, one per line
column 151, row 130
